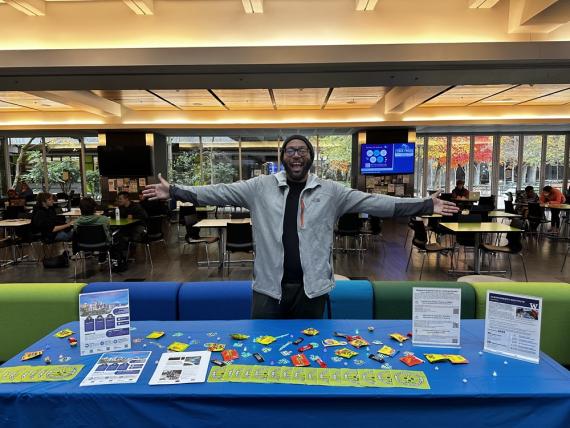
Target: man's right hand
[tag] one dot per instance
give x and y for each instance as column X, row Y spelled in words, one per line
column 157, row 191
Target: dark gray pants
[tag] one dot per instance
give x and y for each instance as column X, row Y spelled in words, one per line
column 294, row 304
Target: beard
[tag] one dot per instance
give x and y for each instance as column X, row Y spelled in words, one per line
column 300, row 175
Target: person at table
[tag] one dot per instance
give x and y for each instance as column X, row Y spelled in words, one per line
column 294, row 213
column 550, row 195
column 26, row 192
column 15, row 200
column 133, row 232
column 46, row 221
column 88, row 217
column 460, row 192
column 528, row 196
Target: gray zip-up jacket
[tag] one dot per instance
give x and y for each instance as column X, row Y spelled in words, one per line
column 321, row 203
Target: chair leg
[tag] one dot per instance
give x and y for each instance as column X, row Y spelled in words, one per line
column 524, row 266
column 149, row 256
column 510, row 267
column 422, row 268
column 110, row 266
column 207, row 255
column 409, row 258
column 229, row 260
column 565, row 257
column 75, row 267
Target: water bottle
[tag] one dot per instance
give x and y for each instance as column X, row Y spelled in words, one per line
column 117, row 213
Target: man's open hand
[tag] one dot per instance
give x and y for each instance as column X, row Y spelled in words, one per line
column 443, row 207
column 157, row 191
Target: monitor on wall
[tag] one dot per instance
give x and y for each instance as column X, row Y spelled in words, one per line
column 121, row 161
column 387, row 159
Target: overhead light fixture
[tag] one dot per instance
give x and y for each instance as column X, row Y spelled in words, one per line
column 141, row 7
column 366, row 5
column 252, row 6
column 29, row 7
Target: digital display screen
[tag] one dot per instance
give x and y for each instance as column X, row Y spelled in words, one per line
column 391, row 158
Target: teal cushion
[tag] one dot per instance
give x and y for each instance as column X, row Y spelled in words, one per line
column 352, row 299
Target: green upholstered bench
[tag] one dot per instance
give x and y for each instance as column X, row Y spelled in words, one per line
column 393, row 299
column 555, row 312
column 30, row 311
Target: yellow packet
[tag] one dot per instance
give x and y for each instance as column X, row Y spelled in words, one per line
column 29, row 355
column 311, row 331
column 265, row 340
column 345, row 353
column 177, row 346
column 155, row 335
column 457, row 359
column 215, row 347
column 63, row 333
column 239, row 336
column 388, row 351
column 400, row 338
column 436, row 358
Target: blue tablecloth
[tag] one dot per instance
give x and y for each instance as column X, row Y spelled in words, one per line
column 522, row 394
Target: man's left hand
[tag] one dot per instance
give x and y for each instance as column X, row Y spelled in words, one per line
column 443, row 207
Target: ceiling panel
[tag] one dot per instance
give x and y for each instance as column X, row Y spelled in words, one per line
column 245, row 99
column 464, row 95
column 191, row 99
column 364, row 97
column 559, row 98
column 136, row 99
column 304, row 98
column 520, row 94
column 33, row 102
column 11, row 107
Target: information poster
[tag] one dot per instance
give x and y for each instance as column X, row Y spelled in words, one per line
column 181, row 367
column 104, row 322
column 512, row 325
column 436, row 317
column 117, row 367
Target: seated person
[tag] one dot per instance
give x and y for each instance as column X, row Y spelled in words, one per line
column 460, row 192
column 128, row 209
column 15, row 200
column 527, row 197
column 551, row 195
column 87, row 206
column 26, row 192
column 46, row 221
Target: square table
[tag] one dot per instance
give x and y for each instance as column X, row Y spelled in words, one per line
column 220, row 224
column 521, row 394
column 478, row 229
column 503, row 214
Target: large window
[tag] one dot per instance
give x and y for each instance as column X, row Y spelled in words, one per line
column 437, row 163
column 460, row 148
column 532, row 149
column 483, row 164
column 334, row 158
column 508, row 167
column 554, row 168
column 258, row 157
column 419, row 169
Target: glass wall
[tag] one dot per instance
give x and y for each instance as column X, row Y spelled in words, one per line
column 532, row 152
column 508, row 167
column 334, row 158
column 482, row 164
column 258, row 157
column 554, row 164
column 220, row 159
column 460, row 149
column 437, row 163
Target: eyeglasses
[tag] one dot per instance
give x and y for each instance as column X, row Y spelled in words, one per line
column 301, row 151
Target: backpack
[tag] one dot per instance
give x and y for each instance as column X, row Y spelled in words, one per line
column 60, row 261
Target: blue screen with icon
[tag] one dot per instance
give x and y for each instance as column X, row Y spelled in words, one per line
column 392, row 158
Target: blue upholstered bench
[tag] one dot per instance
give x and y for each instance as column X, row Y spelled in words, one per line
column 352, row 299
column 215, row 300
column 148, row 300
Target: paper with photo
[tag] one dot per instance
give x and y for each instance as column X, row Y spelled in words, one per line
column 117, row 367
column 181, row 367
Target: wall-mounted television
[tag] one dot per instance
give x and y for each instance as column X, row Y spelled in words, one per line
column 121, row 161
column 386, row 159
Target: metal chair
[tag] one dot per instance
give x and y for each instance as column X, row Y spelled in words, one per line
column 91, row 239
column 536, row 219
column 153, row 233
column 184, row 211
column 239, row 238
column 420, row 241
column 349, row 227
column 514, row 246
column 193, row 236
